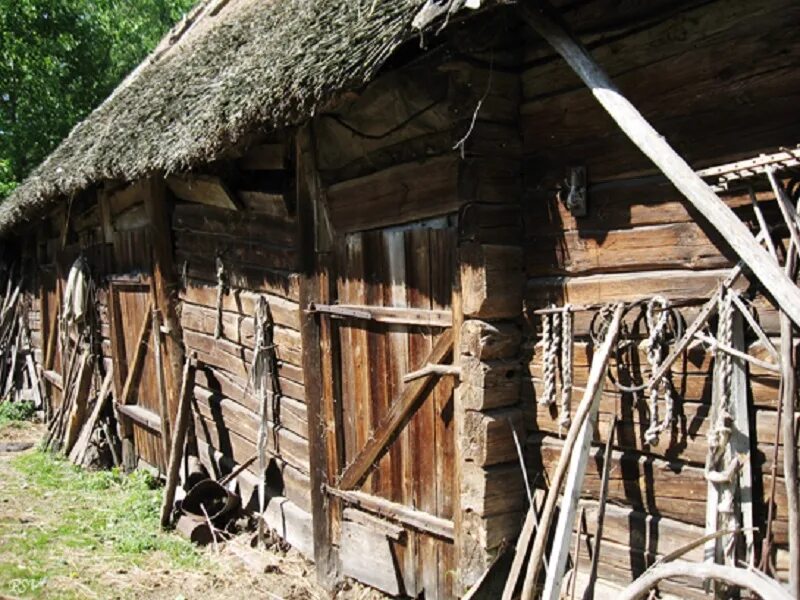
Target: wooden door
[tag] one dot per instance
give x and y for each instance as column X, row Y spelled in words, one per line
column 130, row 301
column 410, row 267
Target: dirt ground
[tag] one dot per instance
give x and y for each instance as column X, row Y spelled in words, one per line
column 71, row 534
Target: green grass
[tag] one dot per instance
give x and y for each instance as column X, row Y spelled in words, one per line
column 13, row 413
column 62, row 528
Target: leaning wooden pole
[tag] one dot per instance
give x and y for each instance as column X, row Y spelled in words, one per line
column 538, row 15
column 591, row 395
column 178, row 438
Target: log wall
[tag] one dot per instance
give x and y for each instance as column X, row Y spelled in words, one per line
column 691, row 71
column 248, row 224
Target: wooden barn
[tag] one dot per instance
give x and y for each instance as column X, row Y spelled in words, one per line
column 448, row 298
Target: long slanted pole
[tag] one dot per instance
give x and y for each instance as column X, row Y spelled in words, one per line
column 591, row 397
column 537, row 14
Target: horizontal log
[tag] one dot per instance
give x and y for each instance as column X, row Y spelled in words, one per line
column 416, row 519
column 244, row 276
column 487, row 437
column 489, row 384
column 494, row 490
column 646, row 248
column 240, row 251
column 202, row 189
column 236, row 358
column 491, row 280
column 241, row 302
column 615, row 206
column 240, row 330
column 274, row 206
column 232, row 225
column 289, row 448
column 285, row 414
column 675, row 285
column 399, row 194
column 488, row 341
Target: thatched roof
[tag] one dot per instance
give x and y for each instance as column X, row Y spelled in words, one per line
column 243, row 64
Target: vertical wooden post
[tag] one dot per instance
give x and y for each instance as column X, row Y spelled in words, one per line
column 312, row 280
column 166, row 284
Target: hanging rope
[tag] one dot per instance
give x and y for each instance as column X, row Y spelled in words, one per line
column 566, row 368
column 721, row 468
column 221, row 289
column 264, row 377
column 657, row 316
column 551, row 335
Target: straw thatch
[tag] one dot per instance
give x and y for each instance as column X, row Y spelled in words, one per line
column 251, row 64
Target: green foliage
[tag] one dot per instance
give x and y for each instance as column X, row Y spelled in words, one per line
column 14, row 412
column 58, row 60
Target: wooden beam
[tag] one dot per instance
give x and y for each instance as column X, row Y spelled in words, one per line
column 416, row 519
column 166, row 284
column 429, row 370
column 313, row 288
column 143, row 416
column 54, row 378
column 655, row 147
column 161, row 387
column 399, row 413
column 79, row 450
column 203, row 189
column 385, row 314
column 176, row 447
column 135, row 368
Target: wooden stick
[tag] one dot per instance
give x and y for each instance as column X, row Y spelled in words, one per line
column 788, row 395
column 717, row 345
column 655, row 147
column 762, row 337
column 83, row 385
column 766, row 588
column 591, row 397
column 137, row 363
column 235, row 473
column 523, row 543
column 576, row 554
column 398, row 415
column 416, row 519
column 432, row 370
column 588, row 593
column 79, row 450
column 178, row 438
column 762, row 224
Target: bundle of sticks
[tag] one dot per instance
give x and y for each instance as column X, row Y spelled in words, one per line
column 19, row 380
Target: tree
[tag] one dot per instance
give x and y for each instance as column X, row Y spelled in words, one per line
column 58, row 60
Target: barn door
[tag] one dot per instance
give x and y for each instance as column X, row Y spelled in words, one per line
column 136, row 380
column 399, row 268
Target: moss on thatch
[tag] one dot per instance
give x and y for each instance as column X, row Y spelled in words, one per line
column 254, row 64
